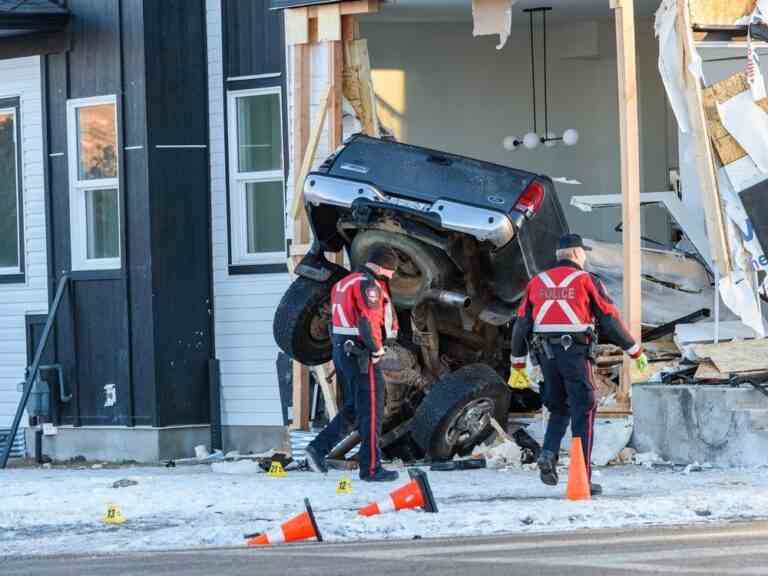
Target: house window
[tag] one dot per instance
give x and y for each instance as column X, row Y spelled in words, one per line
column 11, row 246
column 94, row 193
column 257, row 178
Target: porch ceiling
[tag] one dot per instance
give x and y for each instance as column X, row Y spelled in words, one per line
column 461, row 10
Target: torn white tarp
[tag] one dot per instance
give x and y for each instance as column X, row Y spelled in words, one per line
column 670, row 62
column 493, row 17
column 748, row 124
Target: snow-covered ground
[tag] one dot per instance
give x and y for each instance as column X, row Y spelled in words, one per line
column 46, row 511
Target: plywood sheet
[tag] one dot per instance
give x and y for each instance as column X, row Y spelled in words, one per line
column 728, row 150
column 297, row 26
column 720, row 12
column 735, row 357
column 329, row 23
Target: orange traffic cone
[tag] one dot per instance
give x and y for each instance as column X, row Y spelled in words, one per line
column 578, row 483
column 301, row 527
column 416, row 494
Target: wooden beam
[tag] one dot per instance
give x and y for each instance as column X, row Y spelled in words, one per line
column 630, row 178
column 301, row 400
column 329, row 23
column 310, row 24
column 300, row 122
column 705, row 165
column 349, row 8
column 335, row 76
column 297, row 26
column 325, row 376
column 309, row 155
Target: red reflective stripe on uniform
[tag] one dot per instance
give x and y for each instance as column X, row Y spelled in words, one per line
column 343, row 330
column 373, row 454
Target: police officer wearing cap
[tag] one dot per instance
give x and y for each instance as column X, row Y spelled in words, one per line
column 559, row 314
column 363, row 318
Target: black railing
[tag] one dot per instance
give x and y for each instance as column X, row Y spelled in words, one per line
column 34, row 369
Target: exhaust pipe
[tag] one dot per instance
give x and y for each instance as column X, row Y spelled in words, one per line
column 449, row 298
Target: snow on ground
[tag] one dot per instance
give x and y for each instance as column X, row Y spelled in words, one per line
column 47, row 511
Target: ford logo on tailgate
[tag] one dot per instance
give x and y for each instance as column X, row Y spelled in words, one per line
column 496, row 200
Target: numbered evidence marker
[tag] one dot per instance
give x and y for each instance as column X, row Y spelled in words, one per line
column 276, row 470
column 113, row 515
column 344, row 486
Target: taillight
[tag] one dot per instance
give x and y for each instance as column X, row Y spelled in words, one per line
column 530, row 202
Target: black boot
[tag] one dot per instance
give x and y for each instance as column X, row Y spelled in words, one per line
column 548, row 467
column 595, row 489
column 530, row 448
column 315, row 460
column 381, row 475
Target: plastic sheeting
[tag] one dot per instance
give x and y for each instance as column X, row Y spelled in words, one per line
column 672, row 285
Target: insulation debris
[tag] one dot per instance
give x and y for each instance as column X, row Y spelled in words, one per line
column 493, row 17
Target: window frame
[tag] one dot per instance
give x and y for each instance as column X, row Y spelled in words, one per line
column 16, row 274
column 78, row 190
column 236, row 184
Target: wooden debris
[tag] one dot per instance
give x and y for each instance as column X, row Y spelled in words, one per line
column 720, row 12
column 728, row 150
column 735, row 357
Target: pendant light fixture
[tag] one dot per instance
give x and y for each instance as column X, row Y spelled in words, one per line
column 532, row 140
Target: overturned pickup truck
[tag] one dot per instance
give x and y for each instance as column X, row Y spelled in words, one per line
column 469, row 235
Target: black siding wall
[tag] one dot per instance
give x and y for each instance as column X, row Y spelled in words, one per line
column 92, row 339
column 144, row 328
column 177, row 94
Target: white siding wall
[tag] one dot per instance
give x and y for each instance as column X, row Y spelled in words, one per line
column 243, row 305
column 20, row 77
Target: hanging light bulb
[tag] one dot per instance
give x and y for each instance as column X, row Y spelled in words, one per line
column 511, row 143
column 531, row 140
column 571, row 137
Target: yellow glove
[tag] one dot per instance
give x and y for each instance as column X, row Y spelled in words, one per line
column 518, row 379
column 641, row 362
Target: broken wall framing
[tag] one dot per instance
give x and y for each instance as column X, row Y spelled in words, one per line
column 332, row 29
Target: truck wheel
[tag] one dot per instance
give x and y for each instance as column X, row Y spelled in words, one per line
column 421, row 266
column 456, row 414
column 303, row 318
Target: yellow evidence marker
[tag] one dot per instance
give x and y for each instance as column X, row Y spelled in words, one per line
column 344, row 486
column 276, row 470
column 113, row 515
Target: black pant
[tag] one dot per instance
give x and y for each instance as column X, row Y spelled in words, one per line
column 363, row 405
column 570, row 396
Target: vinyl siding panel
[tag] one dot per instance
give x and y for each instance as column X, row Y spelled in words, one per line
column 243, row 304
column 20, row 77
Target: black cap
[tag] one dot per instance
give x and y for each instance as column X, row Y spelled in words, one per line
column 384, row 257
column 572, row 241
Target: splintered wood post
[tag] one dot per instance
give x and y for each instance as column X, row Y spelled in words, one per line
column 705, row 164
column 630, row 180
column 358, row 85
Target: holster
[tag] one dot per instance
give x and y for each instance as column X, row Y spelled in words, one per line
column 542, row 346
column 362, row 355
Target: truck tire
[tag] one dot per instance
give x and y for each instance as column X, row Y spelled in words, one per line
column 422, row 266
column 455, row 415
column 303, row 318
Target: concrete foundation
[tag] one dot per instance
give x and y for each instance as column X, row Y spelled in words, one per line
column 720, row 425
column 255, row 439
column 114, row 444
column 147, row 444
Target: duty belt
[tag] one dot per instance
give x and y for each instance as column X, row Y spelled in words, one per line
column 567, row 340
